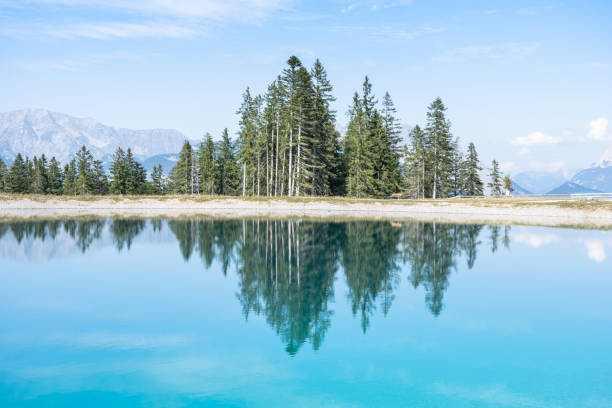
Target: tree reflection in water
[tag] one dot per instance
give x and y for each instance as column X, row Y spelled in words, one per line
column 287, row 267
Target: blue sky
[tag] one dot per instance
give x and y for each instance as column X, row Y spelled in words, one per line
column 530, row 82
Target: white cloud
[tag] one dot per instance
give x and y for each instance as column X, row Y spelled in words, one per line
column 103, row 31
column 597, row 129
column 534, row 139
column 535, row 240
column 209, row 9
column 596, row 250
column 494, row 51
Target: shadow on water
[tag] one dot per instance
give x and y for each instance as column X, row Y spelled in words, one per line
column 287, row 267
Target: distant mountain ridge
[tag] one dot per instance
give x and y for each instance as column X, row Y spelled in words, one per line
column 572, row 188
column 38, row 131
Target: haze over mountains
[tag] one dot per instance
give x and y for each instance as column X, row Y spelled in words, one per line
column 38, row 131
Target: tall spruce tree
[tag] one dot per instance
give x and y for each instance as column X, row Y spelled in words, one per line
column 439, row 149
column 472, row 184
column 85, row 176
column 55, row 177
column 119, row 173
column 416, row 164
column 389, row 173
column 19, row 177
column 182, row 175
column 496, row 183
column 206, row 158
column 39, row 176
column 158, row 181
column 227, row 172
column 70, row 178
column 100, row 180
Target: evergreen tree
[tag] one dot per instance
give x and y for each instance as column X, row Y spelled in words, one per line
column 358, row 151
column 495, row 183
column 157, row 180
column 85, row 176
column 389, row 173
column 119, row 173
column 415, row 164
column 439, row 149
column 19, row 177
column 472, row 184
column 136, row 177
column 39, row 176
column 70, row 178
column 227, row 171
column 327, row 172
column 100, row 180
column 456, row 171
column 55, row 178
column 182, row 175
column 206, row 158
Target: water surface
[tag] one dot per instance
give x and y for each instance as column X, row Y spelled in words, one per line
column 295, row 312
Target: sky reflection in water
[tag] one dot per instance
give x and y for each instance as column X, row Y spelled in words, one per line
column 270, row 312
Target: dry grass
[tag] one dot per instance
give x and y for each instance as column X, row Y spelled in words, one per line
column 578, row 204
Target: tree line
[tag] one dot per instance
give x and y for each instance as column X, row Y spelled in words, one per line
column 288, row 145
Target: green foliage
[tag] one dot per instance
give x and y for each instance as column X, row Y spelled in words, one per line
column 19, row 176
column 440, row 149
column 127, row 175
column 495, row 183
column 227, row 171
column 472, row 184
column 55, row 178
column 206, row 159
column 183, row 176
column 158, row 181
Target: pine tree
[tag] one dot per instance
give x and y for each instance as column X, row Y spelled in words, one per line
column 70, row 178
column 119, row 173
column 327, row 171
column 136, row 176
column 358, row 152
column 19, row 177
column 472, row 184
column 206, row 158
column 181, row 175
column 439, row 148
column 157, row 180
column 55, row 178
column 227, row 171
column 495, row 183
column 85, row 176
column 39, row 176
column 456, row 171
column 415, row 164
column 389, row 173
column 100, row 180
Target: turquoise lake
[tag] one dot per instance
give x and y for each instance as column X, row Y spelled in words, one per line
column 302, row 313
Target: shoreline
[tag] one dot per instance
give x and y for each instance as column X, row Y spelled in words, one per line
column 514, row 211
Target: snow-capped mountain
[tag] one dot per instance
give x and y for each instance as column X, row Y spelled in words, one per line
column 38, row 131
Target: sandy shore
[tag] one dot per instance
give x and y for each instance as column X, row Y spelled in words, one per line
column 445, row 211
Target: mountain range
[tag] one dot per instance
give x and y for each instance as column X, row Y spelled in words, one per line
column 38, row 131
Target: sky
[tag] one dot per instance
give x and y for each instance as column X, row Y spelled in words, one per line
column 529, row 82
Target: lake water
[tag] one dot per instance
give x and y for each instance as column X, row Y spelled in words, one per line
column 300, row 313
